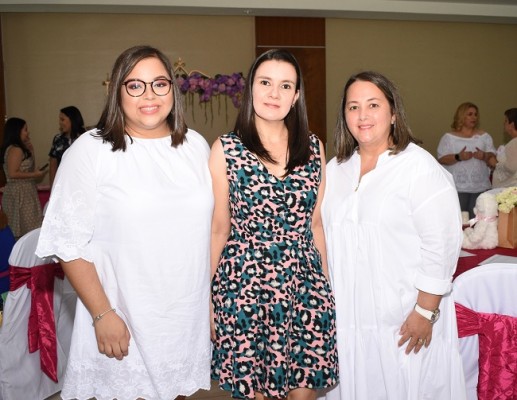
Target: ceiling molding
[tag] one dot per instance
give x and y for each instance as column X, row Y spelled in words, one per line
column 498, row 11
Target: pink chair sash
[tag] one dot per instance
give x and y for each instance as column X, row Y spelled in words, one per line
column 42, row 326
column 497, row 351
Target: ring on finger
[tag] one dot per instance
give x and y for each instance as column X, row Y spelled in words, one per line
column 421, row 341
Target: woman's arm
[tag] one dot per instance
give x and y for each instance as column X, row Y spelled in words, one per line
column 437, row 219
column 451, row 159
column 317, row 225
column 111, row 332
column 221, row 214
column 417, row 330
column 14, row 162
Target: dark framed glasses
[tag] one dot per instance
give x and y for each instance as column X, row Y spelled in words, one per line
column 136, row 87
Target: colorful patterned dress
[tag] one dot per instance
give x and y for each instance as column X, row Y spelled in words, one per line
column 274, row 308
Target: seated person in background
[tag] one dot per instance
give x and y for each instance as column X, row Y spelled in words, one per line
column 505, row 164
column 464, row 152
column 71, row 126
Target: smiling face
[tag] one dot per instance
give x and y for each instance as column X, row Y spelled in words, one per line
column 368, row 115
column 145, row 116
column 274, row 90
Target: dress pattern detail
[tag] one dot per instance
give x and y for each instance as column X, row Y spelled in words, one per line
column 274, row 308
column 20, row 200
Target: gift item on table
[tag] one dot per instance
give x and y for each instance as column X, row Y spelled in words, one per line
column 483, row 231
column 507, row 225
column 507, row 229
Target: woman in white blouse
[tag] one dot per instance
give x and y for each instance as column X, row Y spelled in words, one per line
column 129, row 218
column 393, row 229
column 465, row 152
column 505, row 173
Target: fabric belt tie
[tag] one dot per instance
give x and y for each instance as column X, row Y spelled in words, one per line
column 42, row 325
column 497, row 336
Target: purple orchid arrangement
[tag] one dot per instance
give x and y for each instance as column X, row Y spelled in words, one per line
column 228, row 85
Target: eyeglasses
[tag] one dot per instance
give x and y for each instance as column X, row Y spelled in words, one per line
column 136, row 87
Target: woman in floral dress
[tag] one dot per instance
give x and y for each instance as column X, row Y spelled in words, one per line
column 273, row 309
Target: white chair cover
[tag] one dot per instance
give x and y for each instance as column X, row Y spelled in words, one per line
column 20, row 372
column 490, row 288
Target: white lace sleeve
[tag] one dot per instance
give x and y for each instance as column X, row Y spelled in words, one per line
column 68, row 224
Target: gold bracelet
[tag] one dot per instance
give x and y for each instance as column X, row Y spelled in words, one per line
column 102, row 314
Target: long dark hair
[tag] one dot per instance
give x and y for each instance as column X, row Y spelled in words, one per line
column 76, row 121
column 12, row 137
column 111, row 123
column 295, row 121
column 400, row 133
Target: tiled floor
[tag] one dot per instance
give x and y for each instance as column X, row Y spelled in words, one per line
column 214, row 393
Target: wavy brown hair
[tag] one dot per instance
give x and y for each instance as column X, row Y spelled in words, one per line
column 400, row 133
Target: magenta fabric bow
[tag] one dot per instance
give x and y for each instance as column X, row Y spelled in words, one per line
column 497, row 351
column 42, row 325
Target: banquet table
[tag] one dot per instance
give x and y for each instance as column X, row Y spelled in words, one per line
column 480, row 255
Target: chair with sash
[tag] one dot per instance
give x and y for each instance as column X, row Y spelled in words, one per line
column 37, row 326
column 486, row 309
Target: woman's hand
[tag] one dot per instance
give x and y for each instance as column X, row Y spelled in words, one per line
column 479, row 154
column 417, row 331
column 465, row 155
column 112, row 336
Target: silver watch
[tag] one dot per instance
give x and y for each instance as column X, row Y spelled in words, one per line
column 431, row 316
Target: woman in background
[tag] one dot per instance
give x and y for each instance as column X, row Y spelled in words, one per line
column 20, row 200
column 71, row 126
column 393, row 229
column 129, row 219
column 465, row 153
column 505, row 164
column 274, row 329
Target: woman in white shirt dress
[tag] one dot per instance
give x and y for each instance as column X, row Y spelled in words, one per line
column 393, row 228
column 129, row 219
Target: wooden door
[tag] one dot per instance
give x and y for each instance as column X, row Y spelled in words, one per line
column 305, row 39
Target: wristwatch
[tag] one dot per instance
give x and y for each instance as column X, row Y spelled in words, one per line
column 432, row 316
column 457, row 157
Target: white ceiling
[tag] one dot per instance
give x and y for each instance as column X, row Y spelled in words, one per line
column 495, row 11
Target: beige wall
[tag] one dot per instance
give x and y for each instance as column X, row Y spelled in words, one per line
column 55, row 60
column 436, row 65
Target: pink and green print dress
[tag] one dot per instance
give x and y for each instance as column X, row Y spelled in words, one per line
column 274, row 308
